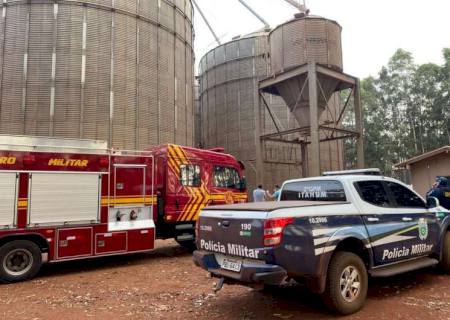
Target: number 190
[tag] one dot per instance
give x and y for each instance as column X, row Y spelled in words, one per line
column 246, row 226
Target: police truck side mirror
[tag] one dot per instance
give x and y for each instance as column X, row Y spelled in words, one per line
column 433, row 202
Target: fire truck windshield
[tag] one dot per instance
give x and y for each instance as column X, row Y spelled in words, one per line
column 227, row 177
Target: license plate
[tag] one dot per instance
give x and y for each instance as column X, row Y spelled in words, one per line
column 232, row 265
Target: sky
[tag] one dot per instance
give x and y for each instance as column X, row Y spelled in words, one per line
column 372, row 30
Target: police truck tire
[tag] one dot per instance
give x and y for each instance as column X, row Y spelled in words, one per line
column 19, row 260
column 346, row 284
column 445, row 262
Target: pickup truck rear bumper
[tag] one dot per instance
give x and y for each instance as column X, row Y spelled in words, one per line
column 251, row 273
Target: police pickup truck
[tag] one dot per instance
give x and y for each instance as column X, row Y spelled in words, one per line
column 331, row 232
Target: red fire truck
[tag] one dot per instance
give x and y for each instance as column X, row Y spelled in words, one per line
column 63, row 199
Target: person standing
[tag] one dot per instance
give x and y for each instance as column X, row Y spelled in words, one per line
column 276, row 193
column 259, row 195
column 441, row 191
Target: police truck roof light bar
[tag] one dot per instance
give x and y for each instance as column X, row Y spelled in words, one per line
column 367, row 172
column 273, row 230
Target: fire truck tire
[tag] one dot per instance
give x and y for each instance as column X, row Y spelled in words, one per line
column 445, row 262
column 190, row 245
column 346, row 284
column 19, row 260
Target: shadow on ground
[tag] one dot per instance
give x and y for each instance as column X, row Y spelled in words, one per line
column 112, row 262
column 294, row 301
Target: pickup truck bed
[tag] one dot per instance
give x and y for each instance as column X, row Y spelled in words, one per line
column 271, row 206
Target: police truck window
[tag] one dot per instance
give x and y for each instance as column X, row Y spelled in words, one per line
column 325, row 190
column 404, row 197
column 373, row 192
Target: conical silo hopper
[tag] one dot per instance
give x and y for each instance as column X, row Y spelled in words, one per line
column 300, row 41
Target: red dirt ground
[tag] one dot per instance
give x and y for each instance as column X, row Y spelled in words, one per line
column 165, row 284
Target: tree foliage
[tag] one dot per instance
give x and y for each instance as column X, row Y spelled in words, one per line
column 406, row 110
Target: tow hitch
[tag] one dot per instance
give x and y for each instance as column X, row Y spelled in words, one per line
column 218, row 285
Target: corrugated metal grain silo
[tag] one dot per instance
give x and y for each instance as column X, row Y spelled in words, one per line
column 229, row 99
column 116, row 70
column 229, row 76
column 197, row 115
column 300, row 41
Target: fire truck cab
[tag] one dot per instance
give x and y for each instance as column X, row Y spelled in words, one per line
column 65, row 199
column 189, row 179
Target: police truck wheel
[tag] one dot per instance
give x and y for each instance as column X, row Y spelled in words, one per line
column 19, row 260
column 346, row 285
column 445, row 262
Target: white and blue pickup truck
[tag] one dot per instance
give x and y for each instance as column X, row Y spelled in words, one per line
column 330, row 232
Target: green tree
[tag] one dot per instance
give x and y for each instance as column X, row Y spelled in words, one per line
column 406, row 110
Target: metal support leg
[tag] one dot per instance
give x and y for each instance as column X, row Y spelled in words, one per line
column 304, row 151
column 314, row 165
column 359, row 127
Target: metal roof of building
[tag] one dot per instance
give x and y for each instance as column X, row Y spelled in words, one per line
column 445, row 149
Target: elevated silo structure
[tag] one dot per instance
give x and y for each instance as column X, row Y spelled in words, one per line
column 296, row 43
column 307, row 72
column 228, row 77
column 115, row 70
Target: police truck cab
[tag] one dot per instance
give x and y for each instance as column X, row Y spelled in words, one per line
column 330, row 232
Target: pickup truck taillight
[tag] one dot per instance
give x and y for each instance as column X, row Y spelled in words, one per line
column 273, row 230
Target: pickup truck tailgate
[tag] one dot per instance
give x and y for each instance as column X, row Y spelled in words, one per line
column 232, row 230
column 238, row 230
column 231, row 240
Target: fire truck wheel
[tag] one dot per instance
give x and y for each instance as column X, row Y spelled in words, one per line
column 20, row 260
column 190, row 245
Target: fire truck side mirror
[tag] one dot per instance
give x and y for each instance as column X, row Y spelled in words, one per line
column 243, row 184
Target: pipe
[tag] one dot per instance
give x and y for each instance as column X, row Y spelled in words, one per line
column 245, row 4
column 295, row 4
column 207, row 23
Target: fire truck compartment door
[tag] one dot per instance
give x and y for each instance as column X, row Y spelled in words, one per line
column 129, row 181
column 132, row 208
column 75, row 242
column 8, row 198
column 64, row 198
